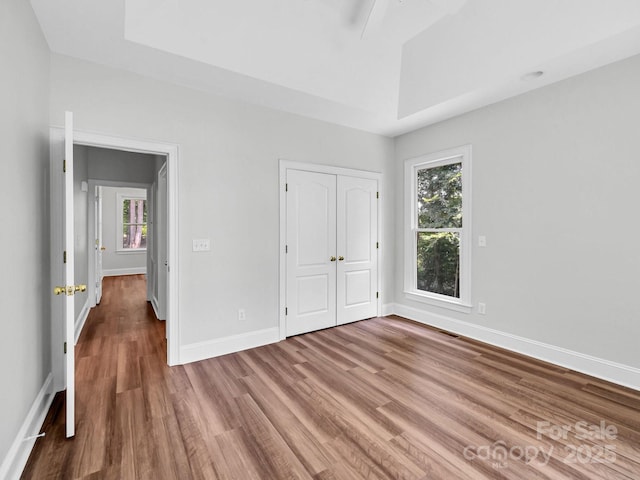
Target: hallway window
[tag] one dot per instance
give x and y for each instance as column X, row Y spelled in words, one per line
column 133, row 223
column 437, row 240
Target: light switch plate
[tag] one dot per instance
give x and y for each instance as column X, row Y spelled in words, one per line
column 201, row 245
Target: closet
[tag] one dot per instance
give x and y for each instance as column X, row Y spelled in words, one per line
column 331, row 249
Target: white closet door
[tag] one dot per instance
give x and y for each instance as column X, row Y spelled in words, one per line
column 357, row 230
column 311, row 250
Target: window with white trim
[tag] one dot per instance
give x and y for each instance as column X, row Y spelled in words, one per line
column 131, row 235
column 437, row 238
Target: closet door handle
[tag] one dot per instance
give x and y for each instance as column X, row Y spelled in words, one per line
column 341, row 258
column 333, row 259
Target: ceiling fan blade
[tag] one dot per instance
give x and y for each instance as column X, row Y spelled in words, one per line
column 375, row 17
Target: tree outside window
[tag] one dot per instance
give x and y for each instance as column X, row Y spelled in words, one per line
column 134, row 223
column 437, row 245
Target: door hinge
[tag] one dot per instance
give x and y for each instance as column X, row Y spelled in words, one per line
column 377, row 244
column 377, row 194
column 377, row 294
column 64, row 257
column 65, row 347
column 286, row 187
column 64, row 166
column 286, row 249
column 286, row 311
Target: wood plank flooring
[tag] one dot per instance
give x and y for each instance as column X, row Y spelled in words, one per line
column 378, row 399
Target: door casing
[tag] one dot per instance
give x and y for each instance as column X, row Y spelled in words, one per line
column 284, row 165
column 118, row 143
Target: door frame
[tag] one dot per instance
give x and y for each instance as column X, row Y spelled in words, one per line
column 91, row 237
column 285, row 165
column 171, row 151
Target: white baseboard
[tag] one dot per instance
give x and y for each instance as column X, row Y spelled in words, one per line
column 156, row 308
column 387, row 309
column 621, row 374
column 116, row 272
column 81, row 319
column 222, row 346
column 17, row 456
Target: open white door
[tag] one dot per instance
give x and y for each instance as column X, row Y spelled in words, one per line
column 68, row 289
column 98, row 244
column 161, row 243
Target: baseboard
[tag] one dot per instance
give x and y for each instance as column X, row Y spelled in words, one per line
column 156, row 308
column 222, row 346
column 618, row 373
column 81, row 319
column 17, row 456
column 387, row 309
column 116, row 272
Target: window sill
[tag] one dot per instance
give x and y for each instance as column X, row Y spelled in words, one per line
column 129, row 251
column 443, row 302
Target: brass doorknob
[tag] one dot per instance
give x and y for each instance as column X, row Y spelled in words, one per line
column 103, row 248
column 69, row 290
column 341, row 258
column 333, row 259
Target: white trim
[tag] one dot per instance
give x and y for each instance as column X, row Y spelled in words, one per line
column 387, row 309
column 120, row 198
column 156, row 307
column 82, row 318
column 284, row 165
column 16, row 459
column 461, row 154
column 195, row 352
column 116, row 272
column 618, row 373
column 439, row 301
column 92, row 227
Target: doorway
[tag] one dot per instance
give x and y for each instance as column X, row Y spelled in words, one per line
column 330, row 256
column 171, row 221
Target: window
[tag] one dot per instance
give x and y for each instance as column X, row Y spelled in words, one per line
column 132, row 231
column 437, row 243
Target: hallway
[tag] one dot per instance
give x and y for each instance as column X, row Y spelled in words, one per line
column 122, row 388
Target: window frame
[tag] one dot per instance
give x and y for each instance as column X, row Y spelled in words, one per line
column 461, row 155
column 120, row 199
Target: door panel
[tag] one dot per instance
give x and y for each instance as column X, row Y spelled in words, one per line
column 357, row 230
column 311, row 243
column 69, row 281
column 99, row 244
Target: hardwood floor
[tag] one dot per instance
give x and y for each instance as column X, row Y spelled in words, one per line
column 377, row 399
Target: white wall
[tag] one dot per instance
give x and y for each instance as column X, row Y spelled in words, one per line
column 119, row 166
column 114, row 262
column 25, row 292
column 228, row 178
column 555, row 190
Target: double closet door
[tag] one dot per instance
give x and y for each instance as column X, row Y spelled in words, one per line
column 332, row 250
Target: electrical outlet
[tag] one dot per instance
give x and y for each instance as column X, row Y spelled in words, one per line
column 482, row 308
column 242, row 315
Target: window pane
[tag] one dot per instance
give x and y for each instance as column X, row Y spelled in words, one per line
column 438, row 262
column 440, row 197
column 134, row 226
column 134, row 236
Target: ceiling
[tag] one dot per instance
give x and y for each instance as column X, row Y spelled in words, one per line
column 385, row 66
